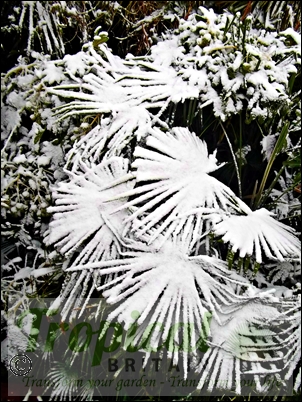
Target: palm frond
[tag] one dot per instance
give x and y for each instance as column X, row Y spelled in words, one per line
column 66, row 379
column 111, row 136
column 80, row 211
column 249, row 232
column 251, row 348
column 285, row 270
column 164, row 285
column 292, row 358
column 111, row 85
column 80, row 228
column 173, row 179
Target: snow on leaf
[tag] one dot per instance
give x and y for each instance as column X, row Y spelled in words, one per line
column 111, row 135
column 99, row 90
column 81, row 229
column 250, row 346
column 51, row 73
column 268, row 144
column 173, row 177
column 296, row 36
column 29, row 271
column 17, row 340
column 114, row 85
column 80, row 212
column 282, row 271
column 247, row 233
column 166, row 286
column 76, row 63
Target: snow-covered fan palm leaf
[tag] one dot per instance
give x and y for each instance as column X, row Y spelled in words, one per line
column 250, row 347
column 113, row 84
column 292, row 340
column 81, row 211
column 80, row 227
column 112, row 136
column 173, row 177
column 195, row 64
column 150, row 279
column 97, row 91
column 283, row 271
column 248, row 233
column 167, row 286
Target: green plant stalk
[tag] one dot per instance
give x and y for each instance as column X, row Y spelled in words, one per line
column 230, row 258
column 240, row 147
column 291, row 82
column 254, row 194
column 277, row 149
column 189, row 118
column 228, row 28
column 208, row 126
column 244, row 38
column 235, row 161
column 246, row 263
column 194, row 102
column 185, row 116
column 256, row 268
column 239, row 264
column 268, row 191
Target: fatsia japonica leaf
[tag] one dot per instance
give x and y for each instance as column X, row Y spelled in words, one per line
column 247, row 233
column 173, row 179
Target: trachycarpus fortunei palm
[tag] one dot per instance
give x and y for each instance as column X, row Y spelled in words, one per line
column 146, row 233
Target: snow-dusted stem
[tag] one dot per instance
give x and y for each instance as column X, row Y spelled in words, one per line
column 235, row 161
column 8, row 140
column 278, row 148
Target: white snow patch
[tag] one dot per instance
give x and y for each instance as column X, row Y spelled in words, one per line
column 43, row 160
column 268, row 144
